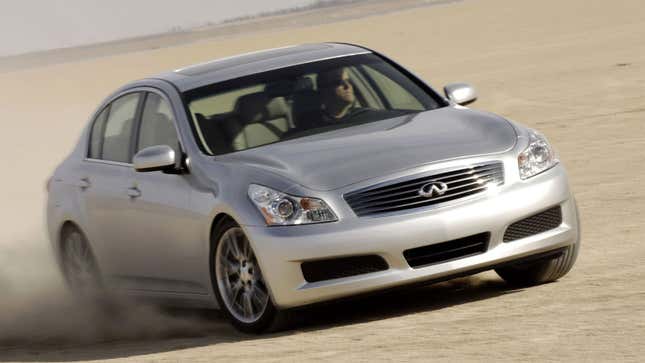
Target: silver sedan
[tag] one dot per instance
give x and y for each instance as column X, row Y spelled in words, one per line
column 278, row 179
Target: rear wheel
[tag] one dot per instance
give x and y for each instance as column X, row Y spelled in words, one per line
column 539, row 272
column 78, row 263
column 239, row 286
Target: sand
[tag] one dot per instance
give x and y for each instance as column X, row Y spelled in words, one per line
column 575, row 70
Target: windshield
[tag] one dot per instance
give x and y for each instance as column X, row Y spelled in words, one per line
column 303, row 100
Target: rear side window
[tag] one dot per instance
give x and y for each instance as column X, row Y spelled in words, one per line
column 112, row 130
column 96, row 139
column 157, row 124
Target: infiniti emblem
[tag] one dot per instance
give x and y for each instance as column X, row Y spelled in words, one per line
column 433, row 189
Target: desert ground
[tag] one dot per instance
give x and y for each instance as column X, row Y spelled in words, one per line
column 573, row 69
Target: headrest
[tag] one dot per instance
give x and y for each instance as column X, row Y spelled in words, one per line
column 258, row 107
column 283, row 87
column 306, row 101
column 304, row 83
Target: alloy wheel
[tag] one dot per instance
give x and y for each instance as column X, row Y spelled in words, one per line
column 239, row 278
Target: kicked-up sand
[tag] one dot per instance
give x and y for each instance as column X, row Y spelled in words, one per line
column 573, row 69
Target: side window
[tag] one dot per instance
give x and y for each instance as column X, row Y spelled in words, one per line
column 118, row 128
column 157, row 124
column 398, row 96
column 96, row 135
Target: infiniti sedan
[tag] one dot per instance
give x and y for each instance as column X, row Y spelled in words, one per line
column 278, row 179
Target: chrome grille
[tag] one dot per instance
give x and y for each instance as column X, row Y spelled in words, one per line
column 404, row 194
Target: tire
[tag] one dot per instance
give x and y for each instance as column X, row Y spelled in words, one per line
column 243, row 288
column 78, row 264
column 535, row 273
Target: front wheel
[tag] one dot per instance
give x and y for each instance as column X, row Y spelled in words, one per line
column 535, row 273
column 238, row 283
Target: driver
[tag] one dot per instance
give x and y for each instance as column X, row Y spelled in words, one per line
column 337, row 95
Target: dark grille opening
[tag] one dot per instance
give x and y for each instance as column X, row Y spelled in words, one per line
column 447, row 251
column 402, row 195
column 538, row 223
column 335, row 268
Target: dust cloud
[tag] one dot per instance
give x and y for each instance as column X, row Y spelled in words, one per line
column 36, row 308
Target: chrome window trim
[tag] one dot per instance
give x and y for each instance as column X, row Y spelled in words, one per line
column 108, row 162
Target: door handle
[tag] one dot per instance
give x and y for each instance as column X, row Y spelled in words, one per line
column 84, row 183
column 134, row 192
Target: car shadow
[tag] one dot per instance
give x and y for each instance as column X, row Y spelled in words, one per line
column 217, row 330
column 402, row 302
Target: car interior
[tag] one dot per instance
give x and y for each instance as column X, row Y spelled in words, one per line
column 268, row 113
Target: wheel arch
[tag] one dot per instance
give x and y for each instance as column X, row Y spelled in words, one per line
column 63, row 226
column 58, row 241
column 217, row 220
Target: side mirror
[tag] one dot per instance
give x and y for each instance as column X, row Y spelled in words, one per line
column 460, row 93
column 154, row 158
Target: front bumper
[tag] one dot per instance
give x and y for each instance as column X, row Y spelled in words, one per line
column 281, row 250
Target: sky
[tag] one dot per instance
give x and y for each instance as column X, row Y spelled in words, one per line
column 32, row 25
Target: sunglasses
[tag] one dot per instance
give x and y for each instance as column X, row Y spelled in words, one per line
column 345, row 83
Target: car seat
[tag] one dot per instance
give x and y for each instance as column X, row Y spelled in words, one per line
column 259, row 120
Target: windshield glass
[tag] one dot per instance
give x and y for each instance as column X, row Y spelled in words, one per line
column 303, row 100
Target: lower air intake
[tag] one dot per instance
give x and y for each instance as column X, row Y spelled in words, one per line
column 447, row 251
column 335, row 268
column 538, row 223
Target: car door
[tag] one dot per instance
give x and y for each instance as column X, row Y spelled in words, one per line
column 102, row 181
column 165, row 250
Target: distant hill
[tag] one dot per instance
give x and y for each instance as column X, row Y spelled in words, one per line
column 318, row 4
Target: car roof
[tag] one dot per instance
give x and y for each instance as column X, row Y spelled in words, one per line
column 223, row 69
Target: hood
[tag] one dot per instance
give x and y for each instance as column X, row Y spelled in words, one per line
column 335, row 159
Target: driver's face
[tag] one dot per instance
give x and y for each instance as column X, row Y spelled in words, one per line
column 343, row 88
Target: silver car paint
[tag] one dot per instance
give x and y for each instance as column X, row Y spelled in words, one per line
column 381, row 148
column 154, row 158
column 158, row 244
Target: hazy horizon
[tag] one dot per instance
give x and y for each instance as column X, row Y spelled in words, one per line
column 31, row 25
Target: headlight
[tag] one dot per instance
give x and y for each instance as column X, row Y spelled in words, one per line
column 279, row 208
column 537, row 157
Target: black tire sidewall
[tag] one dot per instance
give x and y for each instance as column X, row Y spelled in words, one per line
column 541, row 272
column 63, row 262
